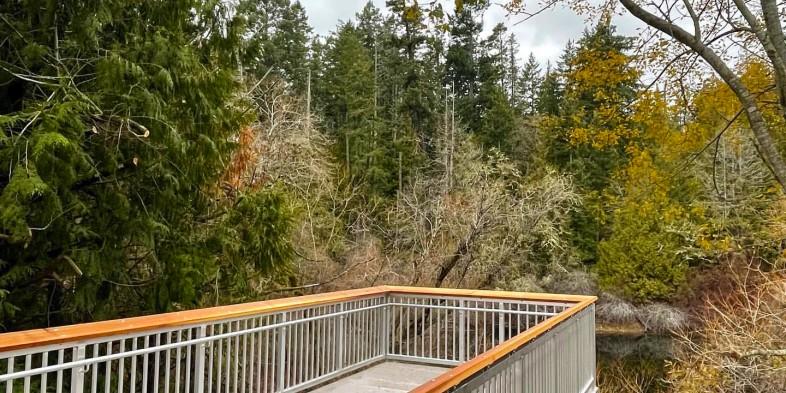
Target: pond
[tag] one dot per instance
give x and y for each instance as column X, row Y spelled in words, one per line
column 633, row 363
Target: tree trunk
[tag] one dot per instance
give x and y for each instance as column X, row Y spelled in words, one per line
column 764, row 141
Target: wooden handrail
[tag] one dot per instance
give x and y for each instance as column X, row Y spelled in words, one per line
column 57, row 335
column 464, row 371
column 83, row 331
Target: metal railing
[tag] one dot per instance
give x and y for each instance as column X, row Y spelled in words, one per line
column 290, row 345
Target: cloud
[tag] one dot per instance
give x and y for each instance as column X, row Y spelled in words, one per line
column 545, row 35
column 325, row 15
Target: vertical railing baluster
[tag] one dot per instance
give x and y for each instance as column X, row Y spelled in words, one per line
column 420, row 317
column 178, row 352
column 132, row 383
column 227, row 362
column 44, row 363
column 251, row 357
column 94, row 372
column 28, row 364
column 108, row 372
column 307, row 345
column 445, row 324
column 77, row 373
column 400, row 321
column 59, row 373
column 211, row 347
column 438, row 331
column 267, row 380
column 236, row 363
column 462, row 335
column 282, row 348
column 244, row 357
column 453, row 337
column 9, row 385
column 430, row 328
column 501, row 327
column 259, row 357
column 340, row 334
column 199, row 361
column 145, row 343
column 220, row 359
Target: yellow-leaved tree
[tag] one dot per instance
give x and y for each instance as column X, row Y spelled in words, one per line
column 646, row 257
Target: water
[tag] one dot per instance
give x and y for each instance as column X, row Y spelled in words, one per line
column 630, row 363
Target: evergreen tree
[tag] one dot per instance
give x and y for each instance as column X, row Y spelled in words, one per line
column 492, row 117
column 363, row 143
column 590, row 136
column 550, row 93
column 461, row 60
column 529, row 86
column 276, row 39
column 492, row 59
column 512, row 76
column 112, row 146
column 370, row 25
column 417, row 98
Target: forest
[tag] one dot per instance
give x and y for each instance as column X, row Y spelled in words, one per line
column 167, row 155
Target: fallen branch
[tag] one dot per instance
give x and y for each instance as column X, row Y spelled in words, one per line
column 758, row 352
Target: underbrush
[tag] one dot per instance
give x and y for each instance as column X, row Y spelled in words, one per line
column 740, row 346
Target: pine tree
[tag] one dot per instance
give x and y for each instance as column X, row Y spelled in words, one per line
column 492, row 57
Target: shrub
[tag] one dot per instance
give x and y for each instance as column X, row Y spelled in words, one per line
column 641, row 259
column 662, row 318
column 741, row 345
column 611, row 309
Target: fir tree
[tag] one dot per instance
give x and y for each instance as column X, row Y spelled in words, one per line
column 461, row 60
column 550, row 93
column 417, row 98
column 590, row 136
column 529, row 87
column 277, row 34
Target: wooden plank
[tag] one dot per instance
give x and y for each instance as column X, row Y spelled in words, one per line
column 464, row 371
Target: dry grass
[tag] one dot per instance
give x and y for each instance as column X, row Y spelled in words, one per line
column 613, row 310
column 662, row 318
column 620, row 376
column 741, row 347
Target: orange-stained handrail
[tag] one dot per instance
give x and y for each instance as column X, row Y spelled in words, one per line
column 56, row 335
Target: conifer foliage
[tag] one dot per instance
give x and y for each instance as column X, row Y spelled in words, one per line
column 117, row 119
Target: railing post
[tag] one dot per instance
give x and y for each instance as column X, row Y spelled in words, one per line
column 78, row 373
column 462, row 332
column 282, row 357
column 386, row 326
column 340, row 338
column 199, row 362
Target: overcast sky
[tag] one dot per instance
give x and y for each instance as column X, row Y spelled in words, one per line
column 544, row 35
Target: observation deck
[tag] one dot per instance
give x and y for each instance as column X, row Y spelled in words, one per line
column 380, row 339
